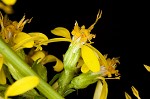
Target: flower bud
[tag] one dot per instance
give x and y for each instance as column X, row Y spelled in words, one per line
column 84, row 80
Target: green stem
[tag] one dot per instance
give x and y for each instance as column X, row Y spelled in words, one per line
column 64, row 81
column 70, row 60
column 25, row 69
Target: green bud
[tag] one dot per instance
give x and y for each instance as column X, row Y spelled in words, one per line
column 84, row 80
column 71, row 57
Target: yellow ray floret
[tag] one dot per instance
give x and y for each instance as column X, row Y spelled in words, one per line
column 21, row 86
column 90, row 58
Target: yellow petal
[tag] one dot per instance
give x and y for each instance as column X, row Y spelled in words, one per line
column 21, row 86
column 98, row 90
column 23, row 40
column 2, row 77
column 84, row 68
column 135, row 92
column 147, row 68
column 76, row 30
column 9, row 2
column 80, row 63
column 99, row 54
column 60, row 31
column 51, row 58
column 101, row 90
column 40, row 37
column 127, row 96
column 58, row 40
column 90, row 58
column 104, row 92
column 7, row 9
column 38, row 55
column 1, row 62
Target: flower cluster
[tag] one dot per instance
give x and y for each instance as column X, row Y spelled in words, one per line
column 81, row 66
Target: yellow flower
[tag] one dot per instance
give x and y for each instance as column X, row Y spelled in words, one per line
column 9, row 28
column 44, row 58
column 39, row 39
column 11, row 32
column 112, row 64
column 81, row 37
column 84, row 34
column 23, row 40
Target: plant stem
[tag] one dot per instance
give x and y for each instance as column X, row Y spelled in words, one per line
column 71, row 58
column 25, row 69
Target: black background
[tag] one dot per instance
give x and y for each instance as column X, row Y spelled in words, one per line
column 121, row 32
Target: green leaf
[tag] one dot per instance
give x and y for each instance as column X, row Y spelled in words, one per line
column 54, row 79
column 40, row 70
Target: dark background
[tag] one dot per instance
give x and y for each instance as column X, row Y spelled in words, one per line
column 121, row 32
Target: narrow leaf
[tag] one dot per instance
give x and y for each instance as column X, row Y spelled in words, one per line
column 40, row 70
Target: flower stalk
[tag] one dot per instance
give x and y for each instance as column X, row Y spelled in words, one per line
column 25, row 70
column 70, row 60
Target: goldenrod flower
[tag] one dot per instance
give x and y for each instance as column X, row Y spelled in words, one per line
column 80, row 39
column 10, row 28
column 111, row 69
column 43, row 57
column 12, row 33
